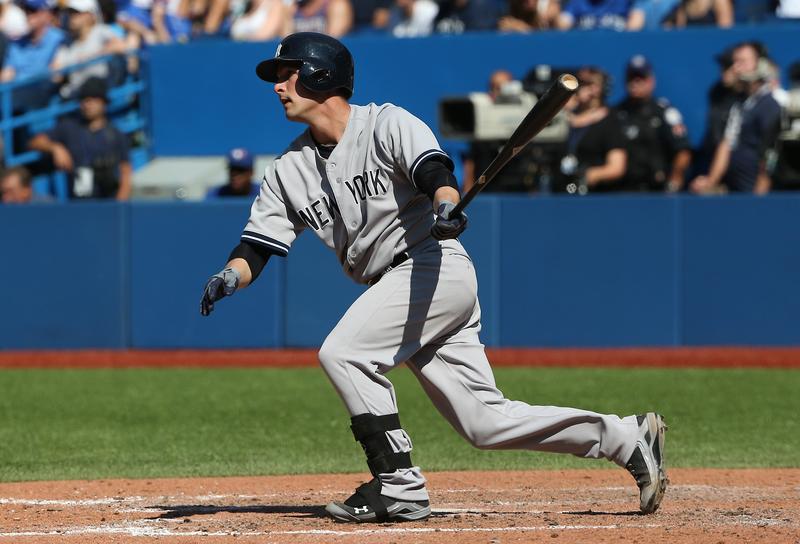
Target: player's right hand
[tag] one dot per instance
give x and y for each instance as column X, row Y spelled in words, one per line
column 447, row 227
column 221, row 284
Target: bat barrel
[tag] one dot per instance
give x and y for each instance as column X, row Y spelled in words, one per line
column 545, row 109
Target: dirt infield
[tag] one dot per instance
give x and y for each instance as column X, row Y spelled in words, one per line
column 489, row 507
column 726, row 357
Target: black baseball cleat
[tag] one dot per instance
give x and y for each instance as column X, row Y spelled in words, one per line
column 646, row 464
column 367, row 505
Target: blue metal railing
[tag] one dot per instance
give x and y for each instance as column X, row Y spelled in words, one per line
column 127, row 113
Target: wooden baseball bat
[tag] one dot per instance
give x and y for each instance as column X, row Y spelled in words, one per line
column 540, row 115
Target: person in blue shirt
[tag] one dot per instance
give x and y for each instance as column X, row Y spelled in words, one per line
column 240, row 176
column 742, row 159
column 94, row 154
column 31, row 56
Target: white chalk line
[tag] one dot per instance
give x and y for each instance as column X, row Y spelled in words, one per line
column 68, row 502
column 139, row 530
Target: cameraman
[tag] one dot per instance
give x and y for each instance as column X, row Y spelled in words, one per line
column 740, row 159
column 513, row 178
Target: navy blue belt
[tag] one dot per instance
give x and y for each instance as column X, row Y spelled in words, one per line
column 399, row 259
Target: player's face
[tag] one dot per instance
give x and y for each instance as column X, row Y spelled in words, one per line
column 298, row 102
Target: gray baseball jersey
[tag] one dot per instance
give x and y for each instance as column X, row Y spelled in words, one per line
column 361, row 201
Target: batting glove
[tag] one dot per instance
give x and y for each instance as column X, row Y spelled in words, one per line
column 447, row 227
column 222, row 284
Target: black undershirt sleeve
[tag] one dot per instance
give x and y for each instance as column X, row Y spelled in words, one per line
column 256, row 256
column 432, row 174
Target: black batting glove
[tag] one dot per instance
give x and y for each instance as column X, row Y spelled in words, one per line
column 221, row 284
column 447, row 227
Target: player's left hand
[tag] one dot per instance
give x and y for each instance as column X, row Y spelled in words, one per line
column 221, row 284
column 447, row 227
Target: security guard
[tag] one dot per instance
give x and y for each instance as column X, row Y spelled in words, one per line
column 654, row 134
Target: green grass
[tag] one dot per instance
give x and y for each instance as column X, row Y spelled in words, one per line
column 64, row 424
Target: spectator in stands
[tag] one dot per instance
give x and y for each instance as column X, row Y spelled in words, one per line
column 371, row 15
column 240, row 176
column 265, row 20
column 704, row 12
column 596, row 158
column 530, row 15
column 655, row 136
column 651, row 14
column 15, row 187
column 413, row 18
column 457, row 16
column 741, row 158
column 32, row 54
column 91, row 150
column 90, row 40
column 13, row 23
column 594, row 14
column 332, row 17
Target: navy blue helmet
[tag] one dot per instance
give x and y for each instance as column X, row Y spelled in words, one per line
column 324, row 62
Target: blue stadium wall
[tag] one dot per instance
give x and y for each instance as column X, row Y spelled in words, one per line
column 553, row 271
column 205, row 96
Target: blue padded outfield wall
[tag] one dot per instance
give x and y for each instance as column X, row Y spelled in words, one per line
column 555, row 271
column 207, row 99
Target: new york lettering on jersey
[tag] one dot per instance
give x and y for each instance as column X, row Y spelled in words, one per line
column 358, row 195
column 366, row 185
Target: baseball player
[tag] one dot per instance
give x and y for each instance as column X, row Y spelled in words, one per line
column 374, row 185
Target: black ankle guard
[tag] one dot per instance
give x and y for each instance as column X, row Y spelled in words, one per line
column 371, row 430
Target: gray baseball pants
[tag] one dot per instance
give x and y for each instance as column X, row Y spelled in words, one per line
column 426, row 312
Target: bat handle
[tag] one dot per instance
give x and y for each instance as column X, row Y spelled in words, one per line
column 462, row 203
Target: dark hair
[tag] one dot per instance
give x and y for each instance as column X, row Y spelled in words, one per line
column 94, row 87
column 20, row 171
column 108, row 10
column 519, row 9
column 759, row 47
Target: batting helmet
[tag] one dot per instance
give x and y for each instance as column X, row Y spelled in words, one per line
column 324, row 63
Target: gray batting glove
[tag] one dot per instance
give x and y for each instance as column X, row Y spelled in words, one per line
column 221, row 284
column 447, row 227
